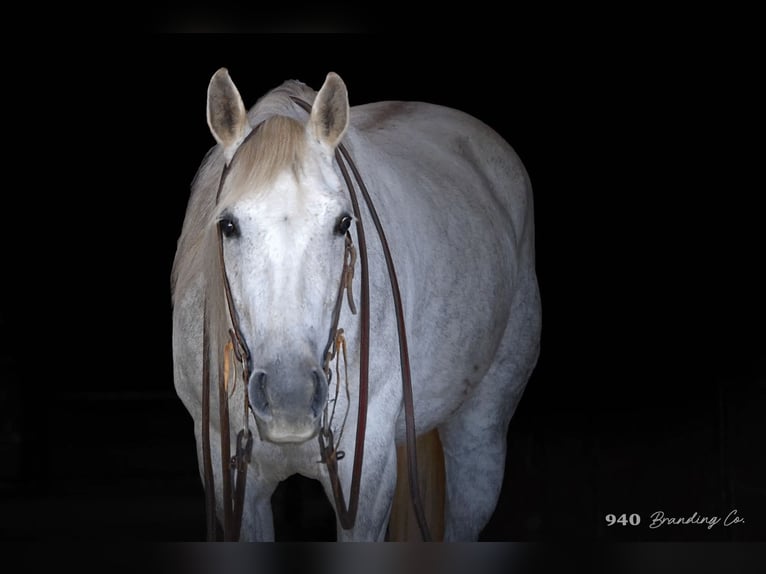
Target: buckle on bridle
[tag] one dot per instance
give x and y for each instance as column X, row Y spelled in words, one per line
column 244, row 447
column 241, row 353
column 349, row 262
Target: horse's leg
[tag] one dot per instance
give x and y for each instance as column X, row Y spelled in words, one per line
column 257, row 514
column 474, row 438
column 257, row 518
column 377, row 486
column 474, row 443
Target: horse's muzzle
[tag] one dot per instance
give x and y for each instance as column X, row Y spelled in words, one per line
column 287, row 401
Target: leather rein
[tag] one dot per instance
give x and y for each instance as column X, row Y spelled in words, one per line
column 233, row 502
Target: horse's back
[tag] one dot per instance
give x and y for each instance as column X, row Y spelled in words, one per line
column 443, row 143
column 456, row 181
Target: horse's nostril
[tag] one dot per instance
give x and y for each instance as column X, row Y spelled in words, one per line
column 320, row 393
column 258, row 397
column 261, row 381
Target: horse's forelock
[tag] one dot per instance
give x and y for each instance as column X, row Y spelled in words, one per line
column 276, row 145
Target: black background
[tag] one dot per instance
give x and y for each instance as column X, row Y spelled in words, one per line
column 650, row 390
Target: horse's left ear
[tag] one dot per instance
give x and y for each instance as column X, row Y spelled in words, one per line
column 226, row 114
column 329, row 115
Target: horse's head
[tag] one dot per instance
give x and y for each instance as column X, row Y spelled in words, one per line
column 282, row 217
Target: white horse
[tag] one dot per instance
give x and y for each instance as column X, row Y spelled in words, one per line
column 261, row 254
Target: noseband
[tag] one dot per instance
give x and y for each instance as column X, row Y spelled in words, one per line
column 234, row 502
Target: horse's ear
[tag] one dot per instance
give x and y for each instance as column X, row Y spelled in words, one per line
column 226, row 114
column 329, row 115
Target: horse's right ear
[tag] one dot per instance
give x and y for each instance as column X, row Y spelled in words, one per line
column 226, row 113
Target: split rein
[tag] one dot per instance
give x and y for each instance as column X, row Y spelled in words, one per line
column 233, row 503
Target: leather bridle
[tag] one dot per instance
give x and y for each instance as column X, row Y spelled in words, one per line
column 233, row 503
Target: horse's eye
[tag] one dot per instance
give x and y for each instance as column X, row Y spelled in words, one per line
column 344, row 223
column 228, row 227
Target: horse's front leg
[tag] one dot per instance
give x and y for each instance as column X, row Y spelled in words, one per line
column 376, row 492
column 257, row 519
column 257, row 513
